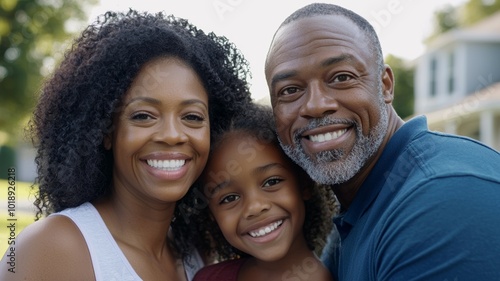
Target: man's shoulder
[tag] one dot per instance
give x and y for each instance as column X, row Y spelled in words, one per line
column 438, row 154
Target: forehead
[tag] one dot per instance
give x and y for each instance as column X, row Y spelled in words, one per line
column 245, row 149
column 316, row 38
column 167, row 76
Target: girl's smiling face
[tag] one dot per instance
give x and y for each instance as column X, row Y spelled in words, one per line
column 162, row 135
column 255, row 197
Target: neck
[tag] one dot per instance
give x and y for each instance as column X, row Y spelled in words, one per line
column 137, row 224
column 300, row 263
column 346, row 192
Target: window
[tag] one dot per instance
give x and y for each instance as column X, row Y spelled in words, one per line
column 451, row 73
column 433, row 85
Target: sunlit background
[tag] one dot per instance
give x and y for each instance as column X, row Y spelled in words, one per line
column 445, row 55
column 402, row 25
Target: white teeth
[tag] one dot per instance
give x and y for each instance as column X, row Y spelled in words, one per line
column 327, row 136
column 265, row 230
column 168, row 165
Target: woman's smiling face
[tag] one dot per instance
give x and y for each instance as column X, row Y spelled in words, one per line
column 161, row 139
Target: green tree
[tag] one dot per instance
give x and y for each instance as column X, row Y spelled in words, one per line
column 476, row 10
column 33, row 34
column 403, row 88
column 470, row 12
column 445, row 19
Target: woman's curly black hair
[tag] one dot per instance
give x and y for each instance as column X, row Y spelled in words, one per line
column 77, row 103
column 256, row 121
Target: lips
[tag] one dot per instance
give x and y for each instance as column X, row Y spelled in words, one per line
column 166, row 165
column 263, row 231
column 328, row 136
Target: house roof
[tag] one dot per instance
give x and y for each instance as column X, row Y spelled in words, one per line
column 483, row 100
column 489, row 25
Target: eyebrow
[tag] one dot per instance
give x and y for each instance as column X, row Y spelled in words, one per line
column 217, row 188
column 267, row 167
column 339, row 59
column 144, row 99
column 282, row 76
column 194, row 101
column 157, row 102
column 329, row 61
column 255, row 172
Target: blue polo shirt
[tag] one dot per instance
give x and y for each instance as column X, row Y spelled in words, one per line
column 429, row 210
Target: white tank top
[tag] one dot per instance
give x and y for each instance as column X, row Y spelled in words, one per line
column 108, row 260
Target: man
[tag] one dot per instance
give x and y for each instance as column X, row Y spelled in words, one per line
column 416, row 205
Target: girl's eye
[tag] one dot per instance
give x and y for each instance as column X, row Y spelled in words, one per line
column 141, row 116
column 272, row 181
column 229, row 199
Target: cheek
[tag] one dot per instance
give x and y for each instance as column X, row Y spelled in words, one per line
column 365, row 106
column 227, row 223
column 127, row 140
column 201, row 142
column 284, row 117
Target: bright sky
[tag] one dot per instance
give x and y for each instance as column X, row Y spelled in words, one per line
column 401, row 24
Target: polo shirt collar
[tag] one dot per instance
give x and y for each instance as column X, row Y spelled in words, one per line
column 371, row 187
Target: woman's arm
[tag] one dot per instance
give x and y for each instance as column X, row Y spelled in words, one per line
column 50, row 249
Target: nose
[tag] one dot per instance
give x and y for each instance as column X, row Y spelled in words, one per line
column 320, row 101
column 256, row 204
column 170, row 131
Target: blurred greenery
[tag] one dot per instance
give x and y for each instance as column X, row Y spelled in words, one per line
column 403, row 88
column 7, row 160
column 33, row 37
column 23, row 217
column 472, row 11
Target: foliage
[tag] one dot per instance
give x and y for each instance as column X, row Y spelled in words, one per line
column 472, row 11
column 403, row 88
column 32, row 35
column 476, row 10
column 24, row 210
column 445, row 19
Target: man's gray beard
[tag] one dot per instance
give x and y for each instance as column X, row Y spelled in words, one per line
column 328, row 168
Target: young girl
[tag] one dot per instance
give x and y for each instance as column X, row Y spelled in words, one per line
column 263, row 205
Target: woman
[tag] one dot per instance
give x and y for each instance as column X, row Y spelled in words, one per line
column 122, row 130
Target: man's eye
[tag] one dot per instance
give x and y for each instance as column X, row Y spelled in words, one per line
column 290, row 91
column 342, row 78
column 229, row 199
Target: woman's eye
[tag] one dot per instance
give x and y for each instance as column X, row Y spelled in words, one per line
column 141, row 116
column 194, row 117
column 229, row 199
column 272, row 181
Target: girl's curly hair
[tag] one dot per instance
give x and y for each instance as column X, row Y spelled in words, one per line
column 77, row 103
column 257, row 121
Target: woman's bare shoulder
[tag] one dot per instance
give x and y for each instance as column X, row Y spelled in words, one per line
column 50, row 249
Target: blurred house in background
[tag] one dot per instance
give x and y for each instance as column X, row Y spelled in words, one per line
column 457, row 82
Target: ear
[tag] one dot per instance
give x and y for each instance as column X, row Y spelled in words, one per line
column 388, row 84
column 107, row 141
